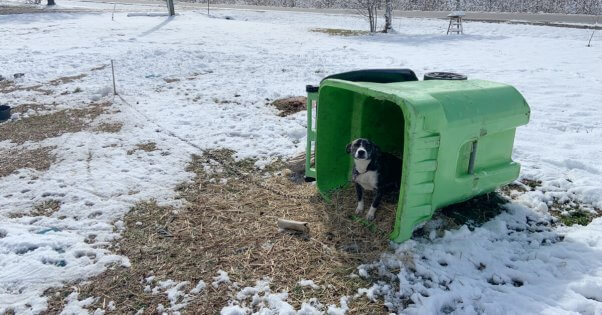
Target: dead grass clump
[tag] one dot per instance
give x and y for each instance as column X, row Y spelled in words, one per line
column 13, row 159
column 230, row 224
column 170, row 80
column 290, row 105
column 40, row 127
column 566, row 211
column 8, row 86
column 571, row 212
column 109, row 127
column 23, row 108
column 339, row 32
column 146, row 147
column 46, row 208
column 101, row 67
column 67, row 79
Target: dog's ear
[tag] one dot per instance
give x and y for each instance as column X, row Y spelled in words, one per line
column 348, row 148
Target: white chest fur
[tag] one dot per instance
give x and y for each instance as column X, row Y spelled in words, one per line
column 367, row 180
column 361, row 165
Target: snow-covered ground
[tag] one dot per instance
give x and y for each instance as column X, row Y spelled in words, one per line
column 227, row 68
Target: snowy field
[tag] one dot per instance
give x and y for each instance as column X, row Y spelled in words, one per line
column 221, row 72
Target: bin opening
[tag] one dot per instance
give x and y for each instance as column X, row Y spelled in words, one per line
column 353, row 115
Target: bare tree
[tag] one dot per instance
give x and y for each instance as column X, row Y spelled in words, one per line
column 369, row 9
column 388, row 16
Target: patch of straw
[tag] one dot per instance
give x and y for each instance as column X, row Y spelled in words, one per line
column 39, row 159
column 229, row 223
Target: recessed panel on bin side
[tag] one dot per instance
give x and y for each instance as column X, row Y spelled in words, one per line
column 485, row 112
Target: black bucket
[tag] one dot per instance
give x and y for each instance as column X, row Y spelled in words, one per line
column 4, row 112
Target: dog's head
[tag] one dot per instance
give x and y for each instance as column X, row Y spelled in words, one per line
column 363, row 149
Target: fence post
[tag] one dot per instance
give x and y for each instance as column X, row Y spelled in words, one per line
column 170, row 7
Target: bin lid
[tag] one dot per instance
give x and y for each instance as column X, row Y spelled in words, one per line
column 376, row 75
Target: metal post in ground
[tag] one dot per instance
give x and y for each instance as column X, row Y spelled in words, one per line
column 589, row 43
column 170, row 7
column 113, row 72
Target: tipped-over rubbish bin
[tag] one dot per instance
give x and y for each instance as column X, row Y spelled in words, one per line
column 454, row 137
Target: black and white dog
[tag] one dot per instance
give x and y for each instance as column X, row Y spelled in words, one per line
column 373, row 170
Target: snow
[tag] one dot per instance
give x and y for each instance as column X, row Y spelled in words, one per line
column 227, row 69
column 175, row 292
column 308, row 283
column 234, row 310
column 75, row 306
column 260, row 299
column 199, row 287
column 342, row 310
column 516, row 263
column 222, row 277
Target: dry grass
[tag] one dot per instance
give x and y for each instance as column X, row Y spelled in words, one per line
column 230, row 224
column 567, row 212
column 146, row 147
column 40, row 127
column 36, row 107
column 45, row 208
column 339, row 32
column 8, row 86
column 67, row 79
column 13, row 159
column 571, row 212
column 290, row 105
column 101, row 67
column 109, row 127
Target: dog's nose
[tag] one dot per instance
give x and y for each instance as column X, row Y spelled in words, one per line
column 360, row 154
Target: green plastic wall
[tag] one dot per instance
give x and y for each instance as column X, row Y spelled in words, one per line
column 431, row 126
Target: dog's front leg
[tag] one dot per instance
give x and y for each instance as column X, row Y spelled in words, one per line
column 377, row 196
column 360, row 198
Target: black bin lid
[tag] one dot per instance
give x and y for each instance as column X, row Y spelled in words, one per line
column 376, row 75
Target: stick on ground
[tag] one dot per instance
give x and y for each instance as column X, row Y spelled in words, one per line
column 284, row 224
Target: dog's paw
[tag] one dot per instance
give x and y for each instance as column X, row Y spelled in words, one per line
column 360, row 208
column 370, row 214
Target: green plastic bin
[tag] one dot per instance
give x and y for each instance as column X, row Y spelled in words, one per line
column 455, row 138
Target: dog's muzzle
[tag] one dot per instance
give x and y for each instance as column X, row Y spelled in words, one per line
column 360, row 154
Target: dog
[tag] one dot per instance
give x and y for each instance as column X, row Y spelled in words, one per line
column 373, row 170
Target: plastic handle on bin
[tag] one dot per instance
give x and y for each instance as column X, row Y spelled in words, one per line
column 473, row 156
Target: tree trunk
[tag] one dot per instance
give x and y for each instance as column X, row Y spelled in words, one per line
column 388, row 16
column 373, row 17
column 51, row 2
